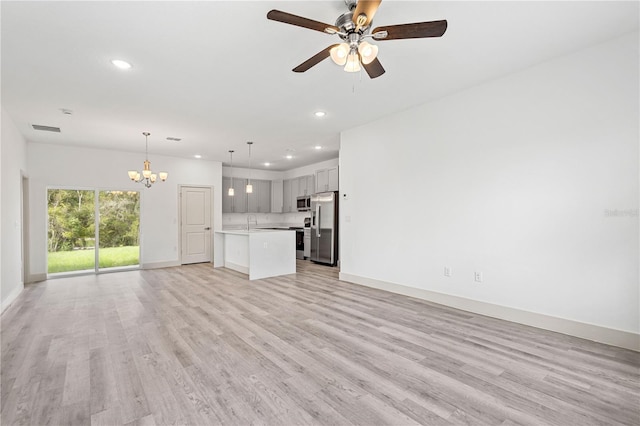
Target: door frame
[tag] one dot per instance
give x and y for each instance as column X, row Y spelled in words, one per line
column 212, row 213
column 24, row 218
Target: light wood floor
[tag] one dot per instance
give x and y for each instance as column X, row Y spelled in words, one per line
column 193, row 345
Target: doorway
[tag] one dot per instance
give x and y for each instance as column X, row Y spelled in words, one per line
column 92, row 230
column 195, row 224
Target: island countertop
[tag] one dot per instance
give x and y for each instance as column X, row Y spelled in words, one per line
column 259, row 253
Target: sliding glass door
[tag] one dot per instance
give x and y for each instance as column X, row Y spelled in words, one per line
column 71, row 242
column 78, row 219
column 119, row 228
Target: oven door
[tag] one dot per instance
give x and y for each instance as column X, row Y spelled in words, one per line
column 299, row 242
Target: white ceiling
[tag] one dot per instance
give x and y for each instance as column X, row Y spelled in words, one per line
column 218, row 73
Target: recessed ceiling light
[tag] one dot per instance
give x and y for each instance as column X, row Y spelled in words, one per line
column 320, row 113
column 123, row 65
column 289, row 157
column 198, row 156
column 267, row 164
column 318, row 147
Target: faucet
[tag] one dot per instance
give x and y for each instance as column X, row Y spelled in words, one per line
column 255, row 221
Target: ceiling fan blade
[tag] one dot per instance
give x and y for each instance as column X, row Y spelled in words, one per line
column 367, row 8
column 314, row 60
column 374, row 68
column 288, row 18
column 415, row 30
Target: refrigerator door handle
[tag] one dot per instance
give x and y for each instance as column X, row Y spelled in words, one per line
column 318, row 216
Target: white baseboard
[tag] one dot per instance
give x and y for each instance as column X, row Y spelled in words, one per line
column 158, row 265
column 34, row 278
column 596, row 333
column 237, row 268
column 11, row 297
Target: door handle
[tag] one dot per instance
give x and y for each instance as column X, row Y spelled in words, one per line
column 207, row 228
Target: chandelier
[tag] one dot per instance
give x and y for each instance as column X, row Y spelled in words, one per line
column 147, row 177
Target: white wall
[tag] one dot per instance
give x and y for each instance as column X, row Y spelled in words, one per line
column 63, row 166
column 310, row 170
column 254, row 173
column 13, row 159
column 514, row 178
column 274, row 175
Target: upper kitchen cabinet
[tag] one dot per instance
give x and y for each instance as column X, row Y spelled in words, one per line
column 277, row 192
column 259, row 201
column 306, row 185
column 286, row 196
column 327, row 179
column 237, row 203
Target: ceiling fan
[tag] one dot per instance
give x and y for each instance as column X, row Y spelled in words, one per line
column 354, row 27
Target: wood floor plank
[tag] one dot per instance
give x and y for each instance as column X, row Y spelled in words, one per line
column 195, row 345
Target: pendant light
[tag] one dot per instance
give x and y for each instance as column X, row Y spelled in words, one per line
column 249, row 188
column 147, row 178
column 231, row 190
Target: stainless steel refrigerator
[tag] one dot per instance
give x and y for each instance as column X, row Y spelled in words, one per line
column 324, row 228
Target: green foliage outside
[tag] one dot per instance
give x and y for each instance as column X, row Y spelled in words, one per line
column 72, row 229
column 71, row 219
column 119, row 218
column 81, row 260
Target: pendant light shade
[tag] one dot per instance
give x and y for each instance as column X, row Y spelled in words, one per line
column 368, row 52
column 353, row 62
column 339, row 53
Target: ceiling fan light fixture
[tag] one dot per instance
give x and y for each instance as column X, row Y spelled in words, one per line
column 368, row 52
column 339, row 53
column 353, row 63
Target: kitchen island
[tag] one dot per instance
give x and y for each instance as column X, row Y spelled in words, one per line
column 259, row 253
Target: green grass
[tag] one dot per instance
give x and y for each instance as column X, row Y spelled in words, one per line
column 82, row 260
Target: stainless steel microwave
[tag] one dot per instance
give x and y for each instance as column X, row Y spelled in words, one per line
column 304, row 203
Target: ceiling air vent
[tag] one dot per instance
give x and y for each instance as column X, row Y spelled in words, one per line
column 174, row 139
column 46, row 128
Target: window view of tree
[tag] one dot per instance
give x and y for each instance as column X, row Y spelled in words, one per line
column 72, row 229
column 119, row 228
column 71, row 220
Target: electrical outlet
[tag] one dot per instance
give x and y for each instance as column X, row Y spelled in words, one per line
column 447, row 271
column 477, row 276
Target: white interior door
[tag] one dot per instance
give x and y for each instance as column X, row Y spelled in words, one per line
column 196, row 224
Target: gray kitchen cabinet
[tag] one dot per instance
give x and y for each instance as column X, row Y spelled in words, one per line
column 327, row 179
column 306, row 185
column 277, row 192
column 259, row 201
column 295, row 193
column 286, row 196
column 237, row 203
